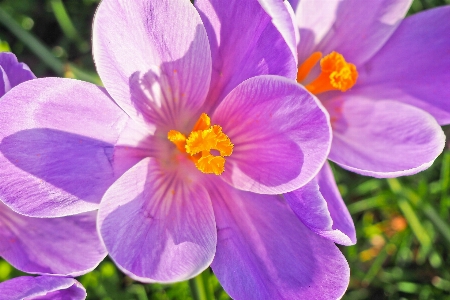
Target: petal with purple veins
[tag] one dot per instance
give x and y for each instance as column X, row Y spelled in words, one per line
column 41, row 288
column 248, row 46
column 160, row 43
column 320, row 207
column 413, row 66
column 357, row 29
column 66, row 245
column 158, row 226
column 56, row 151
column 280, row 133
column 382, row 138
column 265, row 252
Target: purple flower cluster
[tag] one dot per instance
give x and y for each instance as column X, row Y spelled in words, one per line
column 202, row 148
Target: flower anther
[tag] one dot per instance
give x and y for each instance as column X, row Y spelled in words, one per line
column 200, row 142
column 336, row 73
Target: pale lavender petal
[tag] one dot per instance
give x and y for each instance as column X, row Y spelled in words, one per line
column 283, row 17
column 56, row 150
column 265, row 252
column 42, row 287
column 164, row 42
column 12, row 72
column 280, row 133
column 244, row 43
column 382, row 138
column 158, row 226
column 413, row 66
column 67, row 245
column 357, row 29
column 320, row 207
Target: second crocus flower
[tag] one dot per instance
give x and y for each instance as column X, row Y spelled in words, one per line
column 383, row 80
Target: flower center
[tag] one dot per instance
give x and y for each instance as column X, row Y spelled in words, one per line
column 336, row 73
column 203, row 139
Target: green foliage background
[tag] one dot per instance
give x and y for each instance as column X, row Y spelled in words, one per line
column 403, row 225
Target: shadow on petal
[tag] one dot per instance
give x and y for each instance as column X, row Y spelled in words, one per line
column 78, row 165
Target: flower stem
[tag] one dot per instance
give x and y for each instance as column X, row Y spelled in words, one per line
column 200, row 287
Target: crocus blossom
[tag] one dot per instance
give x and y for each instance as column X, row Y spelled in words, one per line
column 42, row 287
column 68, row 245
column 383, row 80
column 188, row 148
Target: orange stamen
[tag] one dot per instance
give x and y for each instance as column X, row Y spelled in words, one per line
column 200, row 142
column 307, row 66
column 336, row 73
column 178, row 139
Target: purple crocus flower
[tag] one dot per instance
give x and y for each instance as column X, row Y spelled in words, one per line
column 42, row 287
column 68, row 245
column 188, row 148
column 383, row 80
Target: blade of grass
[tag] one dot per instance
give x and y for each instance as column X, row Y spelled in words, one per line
column 438, row 222
column 42, row 52
column 376, row 266
column 445, row 187
column 368, row 203
column 200, row 287
column 426, row 208
column 63, row 20
column 411, row 216
column 416, row 227
column 31, row 42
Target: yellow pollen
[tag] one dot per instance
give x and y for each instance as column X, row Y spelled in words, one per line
column 336, row 73
column 200, row 142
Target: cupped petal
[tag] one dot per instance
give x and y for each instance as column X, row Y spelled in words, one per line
column 280, row 132
column 356, row 29
column 265, row 252
column 245, row 42
column 320, row 207
column 42, row 287
column 158, row 227
column 413, row 66
column 66, row 246
column 56, row 151
column 12, row 72
column 382, row 138
column 283, row 17
column 157, row 42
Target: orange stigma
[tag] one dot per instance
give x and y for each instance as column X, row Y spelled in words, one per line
column 336, row 73
column 200, row 142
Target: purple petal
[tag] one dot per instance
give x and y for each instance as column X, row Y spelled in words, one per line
column 12, row 72
column 244, row 43
column 67, row 245
column 42, row 287
column 283, row 17
column 57, row 138
column 166, row 41
column 382, row 138
column 320, row 207
column 158, row 227
column 280, row 133
column 265, row 252
column 413, row 67
column 356, row 29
